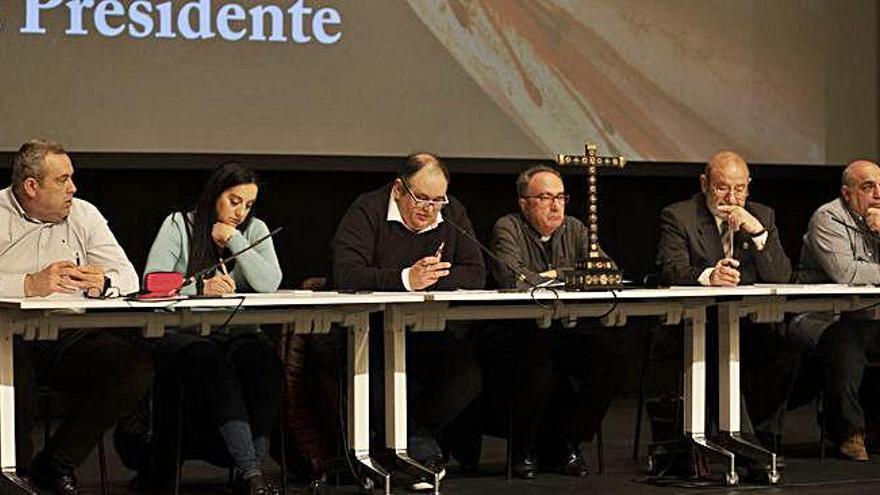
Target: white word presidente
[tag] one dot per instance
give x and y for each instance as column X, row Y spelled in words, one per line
column 194, row 20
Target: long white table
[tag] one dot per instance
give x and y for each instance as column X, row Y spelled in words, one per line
column 306, row 312
column 301, row 312
column 687, row 305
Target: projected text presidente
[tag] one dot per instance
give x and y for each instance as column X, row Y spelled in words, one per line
column 197, row 19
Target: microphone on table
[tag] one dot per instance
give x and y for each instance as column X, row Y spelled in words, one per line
column 532, row 280
column 168, row 284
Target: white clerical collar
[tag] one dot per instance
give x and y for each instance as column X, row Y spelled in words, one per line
column 394, row 216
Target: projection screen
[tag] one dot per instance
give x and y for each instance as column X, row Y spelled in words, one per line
column 782, row 81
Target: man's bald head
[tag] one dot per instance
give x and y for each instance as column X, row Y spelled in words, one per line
column 726, row 161
column 725, row 181
column 854, row 170
column 860, row 186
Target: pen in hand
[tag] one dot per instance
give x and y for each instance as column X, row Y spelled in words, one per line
column 439, row 251
column 223, row 267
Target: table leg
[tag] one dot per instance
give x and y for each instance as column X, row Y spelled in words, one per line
column 9, row 482
column 695, row 390
column 395, row 393
column 359, row 401
column 729, row 393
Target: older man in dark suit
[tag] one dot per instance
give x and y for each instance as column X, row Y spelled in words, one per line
column 719, row 238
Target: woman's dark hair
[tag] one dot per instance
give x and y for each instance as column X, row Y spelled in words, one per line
column 202, row 250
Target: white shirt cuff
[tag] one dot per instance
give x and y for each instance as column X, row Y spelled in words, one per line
column 12, row 284
column 761, row 240
column 704, row 277
column 404, row 277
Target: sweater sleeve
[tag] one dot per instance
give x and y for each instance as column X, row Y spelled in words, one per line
column 468, row 270
column 353, row 253
column 169, row 249
column 258, row 267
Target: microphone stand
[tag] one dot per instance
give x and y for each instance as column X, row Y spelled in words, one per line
column 533, row 281
column 199, row 277
column 864, row 233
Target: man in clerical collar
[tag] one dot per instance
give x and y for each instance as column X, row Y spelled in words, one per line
column 397, row 239
column 55, row 243
column 535, row 244
column 541, row 239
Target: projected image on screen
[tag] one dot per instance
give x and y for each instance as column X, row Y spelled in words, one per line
column 668, row 80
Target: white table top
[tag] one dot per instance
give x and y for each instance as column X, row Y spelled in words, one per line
column 625, row 294
column 825, row 290
column 276, row 299
column 310, row 298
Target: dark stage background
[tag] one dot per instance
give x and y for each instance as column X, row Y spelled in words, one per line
column 308, row 196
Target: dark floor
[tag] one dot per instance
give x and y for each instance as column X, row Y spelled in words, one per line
column 804, row 473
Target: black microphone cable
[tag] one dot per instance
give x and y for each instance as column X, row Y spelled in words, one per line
column 534, row 286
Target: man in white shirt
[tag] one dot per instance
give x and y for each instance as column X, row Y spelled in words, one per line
column 51, row 242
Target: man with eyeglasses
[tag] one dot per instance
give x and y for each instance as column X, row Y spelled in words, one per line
column 842, row 246
column 536, row 366
column 717, row 237
column 720, row 238
column 405, row 237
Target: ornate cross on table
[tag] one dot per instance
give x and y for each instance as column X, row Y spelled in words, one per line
column 598, row 271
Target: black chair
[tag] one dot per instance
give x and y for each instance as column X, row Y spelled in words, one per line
column 649, row 357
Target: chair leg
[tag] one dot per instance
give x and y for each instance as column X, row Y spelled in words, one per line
column 510, row 435
column 47, row 431
column 649, row 337
column 178, row 448
column 102, row 466
column 282, row 416
column 820, row 406
column 600, row 450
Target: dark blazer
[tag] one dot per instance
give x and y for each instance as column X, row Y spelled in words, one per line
column 690, row 243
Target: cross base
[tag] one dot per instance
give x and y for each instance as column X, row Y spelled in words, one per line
column 595, row 273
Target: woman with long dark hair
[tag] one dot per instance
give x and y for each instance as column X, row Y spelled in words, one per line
column 230, row 381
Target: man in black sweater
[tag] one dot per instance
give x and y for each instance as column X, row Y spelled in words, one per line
column 397, row 238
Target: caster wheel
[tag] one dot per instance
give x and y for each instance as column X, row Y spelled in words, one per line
column 368, row 485
column 731, row 479
column 651, row 465
column 774, row 477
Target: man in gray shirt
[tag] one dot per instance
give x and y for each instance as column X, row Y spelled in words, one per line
column 842, row 246
column 51, row 242
column 537, row 368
